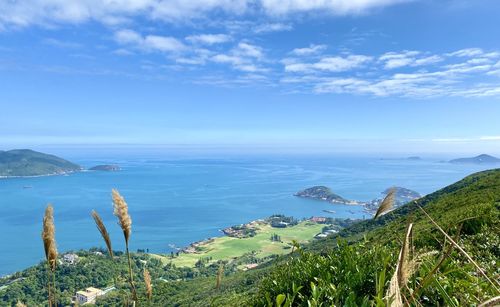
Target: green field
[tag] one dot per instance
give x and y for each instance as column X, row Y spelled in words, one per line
column 225, row 248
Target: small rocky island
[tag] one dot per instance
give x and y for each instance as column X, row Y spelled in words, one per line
column 402, row 196
column 414, row 158
column 106, row 168
column 325, row 194
column 26, row 163
column 481, row 159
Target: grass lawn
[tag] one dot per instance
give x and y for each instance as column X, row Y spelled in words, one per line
column 228, row 247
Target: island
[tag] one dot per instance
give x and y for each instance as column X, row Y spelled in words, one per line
column 414, row 158
column 325, row 194
column 402, row 196
column 481, row 159
column 105, row 168
column 27, row 163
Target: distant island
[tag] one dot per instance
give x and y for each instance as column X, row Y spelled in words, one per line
column 106, row 168
column 414, row 158
column 402, row 196
column 26, row 162
column 481, row 159
column 325, row 194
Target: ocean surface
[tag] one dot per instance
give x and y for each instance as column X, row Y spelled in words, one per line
column 174, row 202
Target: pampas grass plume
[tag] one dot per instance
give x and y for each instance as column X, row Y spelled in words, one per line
column 48, row 237
column 386, row 204
column 104, row 232
column 147, row 281
column 121, row 212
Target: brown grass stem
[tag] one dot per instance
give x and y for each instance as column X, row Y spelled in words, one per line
column 459, row 248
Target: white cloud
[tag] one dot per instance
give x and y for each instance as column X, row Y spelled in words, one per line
column 149, row 42
column 36, row 12
column 272, row 27
column 312, row 49
column 338, row 7
column 244, row 57
column 490, row 138
column 468, row 52
column 249, row 50
column 209, row 39
column 394, row 60
column 426, row 75
column 224, row 58
column 330, row 64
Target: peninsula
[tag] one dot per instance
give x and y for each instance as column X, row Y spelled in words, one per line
column 26, row 162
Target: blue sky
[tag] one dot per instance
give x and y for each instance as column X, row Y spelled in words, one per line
column 292, row 75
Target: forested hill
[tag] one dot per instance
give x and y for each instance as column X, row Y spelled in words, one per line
column 26, row 162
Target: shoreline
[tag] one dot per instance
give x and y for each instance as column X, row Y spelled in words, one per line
column 46, row 175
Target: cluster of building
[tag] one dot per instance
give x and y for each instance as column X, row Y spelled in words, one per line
column 193, row 247
column 89, row 295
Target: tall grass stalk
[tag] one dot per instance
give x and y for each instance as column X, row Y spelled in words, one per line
column 104, row 232
column 402, row 271
column 220, row 273
column 49, row 244
column 460, row 249
column 386, row 204
column 147, row 282
column 125, row 222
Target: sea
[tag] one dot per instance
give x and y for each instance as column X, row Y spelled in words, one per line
column 176, row 200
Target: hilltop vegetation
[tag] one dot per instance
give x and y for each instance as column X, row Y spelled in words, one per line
column 25, row 162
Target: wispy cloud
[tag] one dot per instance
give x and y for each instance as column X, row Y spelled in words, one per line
column 149, row 42
column 272, row 27
column 341, row 7
column 423, row 74
column 209, row 39
column 243, row 57
column 467, row 139
column 393, row 60
column 34, row 12
column 331, row 64
column 312, row 49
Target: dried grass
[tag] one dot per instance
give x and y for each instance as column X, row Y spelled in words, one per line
column 147, row 281
column 220, row 273
column 125, row 222
column 48, row 237
column 104, row 232
column 403, row 271
column 461, row 250
column 121, row 212
column 386, row 204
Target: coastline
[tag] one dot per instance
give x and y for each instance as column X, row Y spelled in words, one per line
column 45, row 175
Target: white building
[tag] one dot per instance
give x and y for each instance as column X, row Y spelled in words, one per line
column 88, row 295
column 70, row 258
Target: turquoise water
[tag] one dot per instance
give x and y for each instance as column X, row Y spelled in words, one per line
column 178, row 201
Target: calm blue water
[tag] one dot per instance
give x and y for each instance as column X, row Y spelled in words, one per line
column 183, row 200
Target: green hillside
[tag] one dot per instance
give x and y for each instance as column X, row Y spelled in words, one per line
column 25, row 162
column 352, row 268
